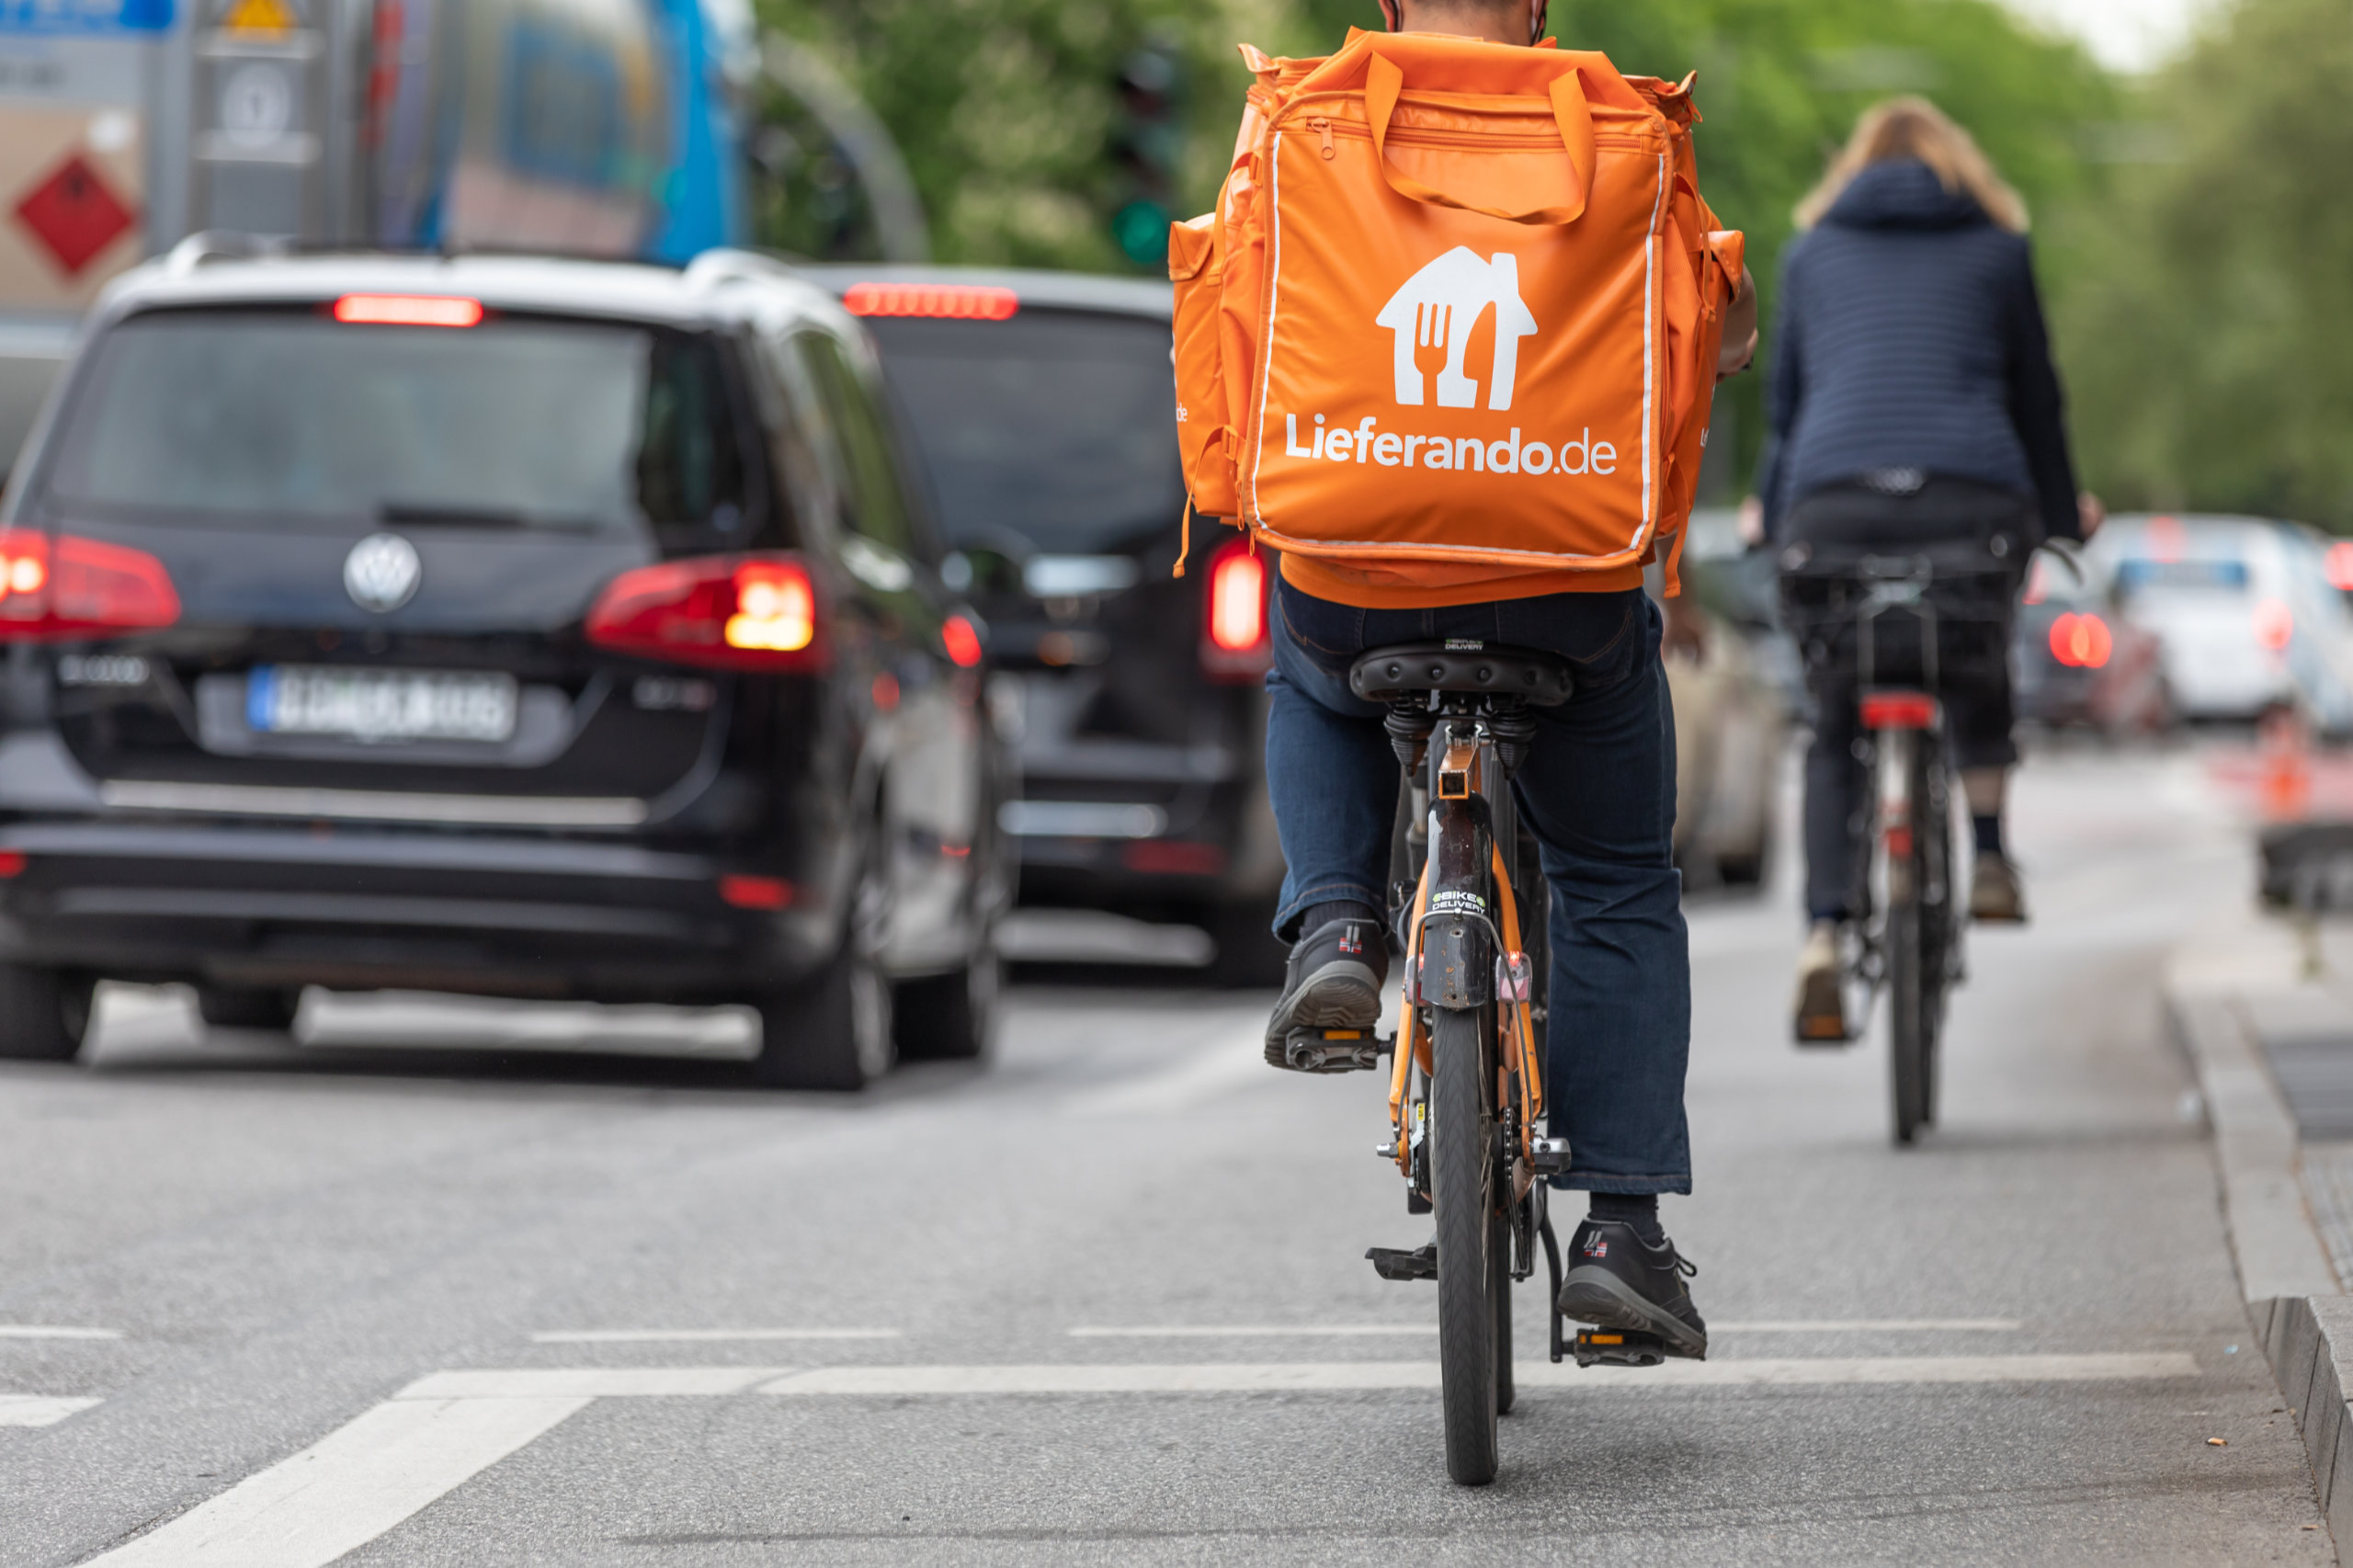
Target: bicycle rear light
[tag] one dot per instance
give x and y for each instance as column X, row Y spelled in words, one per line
column 1234, row 644
column 1898, row 711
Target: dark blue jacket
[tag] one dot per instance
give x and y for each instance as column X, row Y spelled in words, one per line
column 1910, row 337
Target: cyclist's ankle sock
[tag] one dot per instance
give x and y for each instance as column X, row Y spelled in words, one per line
column 1639, row 1209
column 1989, row 833
column 1322, row 914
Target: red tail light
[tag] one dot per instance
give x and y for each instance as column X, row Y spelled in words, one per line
column 52, row 589
column 756, row 892
column 954, row 301
column 1898, row 711
column 2081, row 642
column 1234, row 637
column 728, row 612
column 962, row 640
column 408, row 310
column 2338, row 565
column 2275, row 624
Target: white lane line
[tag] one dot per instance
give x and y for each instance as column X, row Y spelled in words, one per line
column 1368, row 1330
column 1226, row 1064
column 1221, row 1331
column 349, row 1487
column 1870, row 1325
column 1240, row 1378
column 39, row 1410
column 702, row 1336
column 589, row 1382
column 42, row 1331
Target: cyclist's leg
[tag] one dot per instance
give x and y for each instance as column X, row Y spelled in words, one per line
column 1598, row 788
column 1332, row 781
column 1978, row 718
column 1835, row 788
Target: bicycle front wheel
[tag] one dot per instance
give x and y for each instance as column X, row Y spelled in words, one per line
column 1462, row 1190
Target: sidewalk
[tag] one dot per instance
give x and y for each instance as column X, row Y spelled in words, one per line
column 2265, row 1010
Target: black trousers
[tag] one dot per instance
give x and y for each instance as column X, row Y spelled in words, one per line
column 1977, row 539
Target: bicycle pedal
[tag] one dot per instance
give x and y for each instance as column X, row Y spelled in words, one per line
column 1618, row 1347
column 1394, row 1263
column 1551, row 1155
column 1337, row 1051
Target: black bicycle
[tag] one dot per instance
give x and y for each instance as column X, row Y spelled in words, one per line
column 1907, row 625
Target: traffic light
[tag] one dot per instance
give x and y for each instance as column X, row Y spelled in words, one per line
column 1146, row 147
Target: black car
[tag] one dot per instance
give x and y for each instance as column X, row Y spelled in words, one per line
column 1044, row 406
column 504, row 626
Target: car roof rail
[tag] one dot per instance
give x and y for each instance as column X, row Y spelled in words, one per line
column 217, row 245
column 728, row 265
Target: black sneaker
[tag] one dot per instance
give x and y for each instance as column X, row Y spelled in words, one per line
column 1619, row 1280
column 1332, row 982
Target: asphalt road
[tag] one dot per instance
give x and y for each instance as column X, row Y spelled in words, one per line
column 1106, row 1302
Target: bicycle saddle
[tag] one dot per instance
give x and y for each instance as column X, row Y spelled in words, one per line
column 1385, row 675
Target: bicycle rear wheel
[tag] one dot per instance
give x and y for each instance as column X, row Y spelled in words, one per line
column 1463, row 1182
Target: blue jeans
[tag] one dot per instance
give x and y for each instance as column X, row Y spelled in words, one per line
column 1599, row 789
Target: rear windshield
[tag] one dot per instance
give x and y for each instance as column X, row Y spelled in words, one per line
column 1057, row 427
column 290, row 415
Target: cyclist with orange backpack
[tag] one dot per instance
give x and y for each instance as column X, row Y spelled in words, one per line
column 1463, row 417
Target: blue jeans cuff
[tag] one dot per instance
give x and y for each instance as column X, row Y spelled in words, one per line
column 1624, row 1186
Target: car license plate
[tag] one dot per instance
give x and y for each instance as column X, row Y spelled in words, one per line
column 380, row 705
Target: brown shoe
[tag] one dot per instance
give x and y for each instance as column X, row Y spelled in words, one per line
column 1994, row 892
column 1822, row 1009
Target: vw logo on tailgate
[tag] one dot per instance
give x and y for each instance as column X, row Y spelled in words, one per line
column 381, row 573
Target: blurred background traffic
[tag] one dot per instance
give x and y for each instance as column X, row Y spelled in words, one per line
column 898, row 409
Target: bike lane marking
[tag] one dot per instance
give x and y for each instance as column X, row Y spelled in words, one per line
column 47, row 1331
column 702, row 1336
column 40, row 1410
column 399, row 1457
column 1352, row 1330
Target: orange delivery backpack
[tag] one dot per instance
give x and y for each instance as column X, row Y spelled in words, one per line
column 1456, row 315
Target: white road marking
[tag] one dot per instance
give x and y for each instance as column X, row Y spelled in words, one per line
column 1220, row 1331
column 1240, row 1378
column 397, row 1458
column 1368, row 1330
column 38, row 1331
column 1870, row 1325
column 1220, row 1067
column 589, row 1382
column 349, row 1487
column 37, row 1410
column 701, row 1336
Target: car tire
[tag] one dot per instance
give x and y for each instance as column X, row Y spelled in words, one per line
column 44, row 1013
column 948, row 1017
column 832, row 1030
column 223, row 1008
column 1249, row 956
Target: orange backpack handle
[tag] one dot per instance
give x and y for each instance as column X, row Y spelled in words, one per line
column 1384, row 80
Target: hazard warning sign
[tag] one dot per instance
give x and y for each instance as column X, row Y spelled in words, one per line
column 73, row 214
column 259, row 19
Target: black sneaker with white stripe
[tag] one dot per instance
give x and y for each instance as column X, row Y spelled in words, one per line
column 1618, row 1281
column 1332, row 981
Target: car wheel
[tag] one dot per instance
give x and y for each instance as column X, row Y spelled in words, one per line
column 1249, row 955
column 950, row 1017
column 44, row 1013
column 832, row 1030
column 223, row 1008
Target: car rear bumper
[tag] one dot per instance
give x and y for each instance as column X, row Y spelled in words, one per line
column 373, row 907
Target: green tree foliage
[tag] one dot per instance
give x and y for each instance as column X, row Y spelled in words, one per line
column 2207, row 342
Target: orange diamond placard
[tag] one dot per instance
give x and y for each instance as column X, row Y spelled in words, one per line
column 73, row 214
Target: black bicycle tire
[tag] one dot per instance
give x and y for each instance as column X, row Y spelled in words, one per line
column 1937, row 944
column 1906, row 1012
column 1499, row 1264
column 1462, row 1172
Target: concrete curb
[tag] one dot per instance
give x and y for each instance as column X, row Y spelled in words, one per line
column 2301, row 1318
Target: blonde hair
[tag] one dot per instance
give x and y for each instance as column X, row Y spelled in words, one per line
column 1915, row 127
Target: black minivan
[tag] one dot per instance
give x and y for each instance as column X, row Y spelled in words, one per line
column 1044, row 407
column 508, row 626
